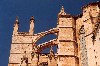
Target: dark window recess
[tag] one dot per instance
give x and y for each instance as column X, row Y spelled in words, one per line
column 43, row 64
column 93, row 37
column 96, row 63
column 95, row 57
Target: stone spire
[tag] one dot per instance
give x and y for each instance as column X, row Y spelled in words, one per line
column 16, row 26
column 16, row 21
column 62, row 12
column 32, row 18
column 31, row 30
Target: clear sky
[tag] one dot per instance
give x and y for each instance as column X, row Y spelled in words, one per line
column 45, row 14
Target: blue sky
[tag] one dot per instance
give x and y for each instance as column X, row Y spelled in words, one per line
column 45, row 14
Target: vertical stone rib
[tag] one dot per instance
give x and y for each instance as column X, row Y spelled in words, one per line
column 83, row 49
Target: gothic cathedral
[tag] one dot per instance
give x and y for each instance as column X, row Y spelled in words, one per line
column 78, row 41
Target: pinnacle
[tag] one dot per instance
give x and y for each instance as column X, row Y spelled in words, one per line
column 32, row 18
column 62, row 9
column 16, row 18
column 16, row 22
column 62, row 12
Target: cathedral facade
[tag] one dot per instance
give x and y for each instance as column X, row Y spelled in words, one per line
column 78, row 41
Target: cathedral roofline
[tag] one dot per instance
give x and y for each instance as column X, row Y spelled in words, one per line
column 62, row 14
column 91, row 4
column 78, row 16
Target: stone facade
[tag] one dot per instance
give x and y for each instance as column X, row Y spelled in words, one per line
column 78, row 41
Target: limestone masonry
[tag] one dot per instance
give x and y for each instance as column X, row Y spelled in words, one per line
column 78, row 41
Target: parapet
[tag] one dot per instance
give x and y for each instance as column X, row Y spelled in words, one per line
column 23, row 33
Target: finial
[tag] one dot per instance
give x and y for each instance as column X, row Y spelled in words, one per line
column 16, row 20
column 32, row 18
column 62, row 9
column 62, row 12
